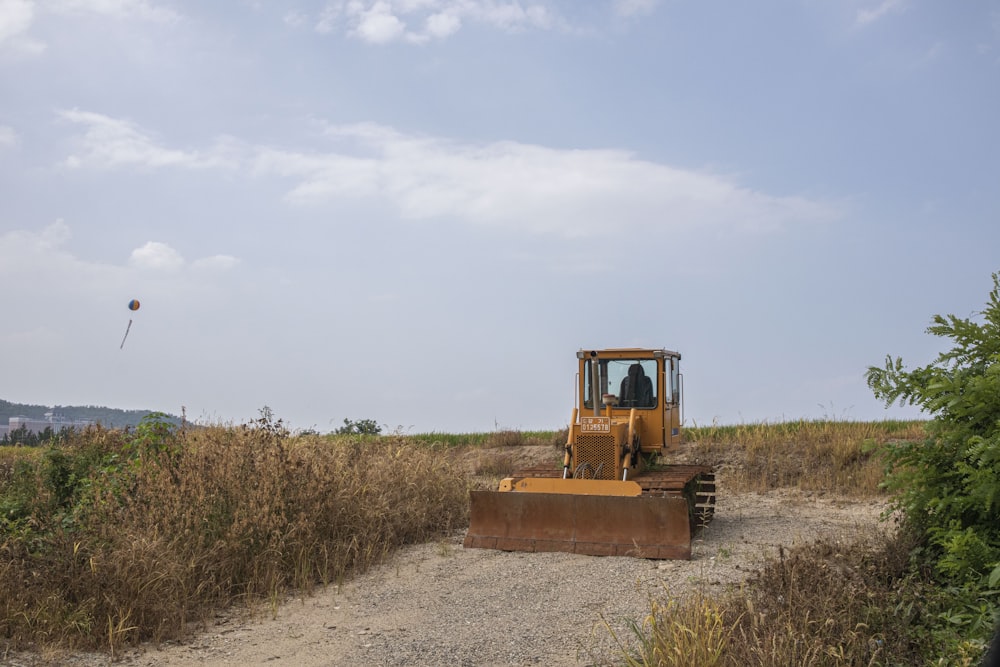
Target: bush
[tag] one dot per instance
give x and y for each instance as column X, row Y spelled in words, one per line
column 948, row 485
column 359, row 427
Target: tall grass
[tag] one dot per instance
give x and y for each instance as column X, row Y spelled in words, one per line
column 679, row 633
column 115, row 538
column 824, row 604
column 824, row 456
column 504, row 437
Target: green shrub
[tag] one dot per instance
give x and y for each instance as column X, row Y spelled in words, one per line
column 359, row 427
column 948, row 485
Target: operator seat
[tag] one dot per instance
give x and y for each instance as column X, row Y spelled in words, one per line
column 636, row 389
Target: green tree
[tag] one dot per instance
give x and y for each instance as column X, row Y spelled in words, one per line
column 360, row 427
column 948, row 486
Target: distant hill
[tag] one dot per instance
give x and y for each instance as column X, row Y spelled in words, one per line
column 107, row 417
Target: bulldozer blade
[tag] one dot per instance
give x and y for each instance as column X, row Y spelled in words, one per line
column 638, row 526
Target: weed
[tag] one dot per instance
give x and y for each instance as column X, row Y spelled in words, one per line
column 495, row 463
column 821, row 604
column 445, row 549
column 505, row 438
column 679, row 634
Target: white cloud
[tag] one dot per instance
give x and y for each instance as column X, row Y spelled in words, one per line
column 55, row 234
column 16, row 18
column 443, row 24
column 935, row 52
column 526, row 187
column 119, row 9
column 328, row 18
column 884, row 8
column 42, row 254
column 419, row 21
column 112, row 142
column 157, row 256
column 216, row 263
column 512, row 15
column 418, row 5
column 19, row 249
column 8, row 137
column 634, row 7
column 38, row 338
column 377, row 24
column 323, row 176
column 46, row 256
column 295, row 19
column 505, row 184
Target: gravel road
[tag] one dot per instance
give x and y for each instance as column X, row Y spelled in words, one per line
column 440, row 604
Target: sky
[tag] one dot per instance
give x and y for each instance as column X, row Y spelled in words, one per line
column 417, row 211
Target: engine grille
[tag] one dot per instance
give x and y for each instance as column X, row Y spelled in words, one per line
column 599, row 452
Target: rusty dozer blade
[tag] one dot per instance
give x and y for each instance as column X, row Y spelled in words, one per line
column 599, row 525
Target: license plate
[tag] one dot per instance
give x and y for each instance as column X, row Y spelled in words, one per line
column 595, row 425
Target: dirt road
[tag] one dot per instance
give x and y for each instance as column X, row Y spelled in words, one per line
column 440, row 604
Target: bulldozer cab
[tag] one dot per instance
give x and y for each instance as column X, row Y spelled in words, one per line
column 613, row 382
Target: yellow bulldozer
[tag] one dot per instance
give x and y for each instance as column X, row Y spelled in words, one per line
column 613, row 495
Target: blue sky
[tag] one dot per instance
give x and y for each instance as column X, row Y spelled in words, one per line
column 417, row 211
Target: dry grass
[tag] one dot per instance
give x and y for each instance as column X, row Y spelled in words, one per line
column 158, row 537
column 493, row 464
column 823, row 604
column 824, row 456
column 509, row 438
column 502, row 452
column 680, row 633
